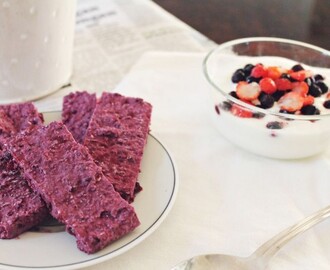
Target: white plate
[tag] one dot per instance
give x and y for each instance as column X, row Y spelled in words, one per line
column 57, row 250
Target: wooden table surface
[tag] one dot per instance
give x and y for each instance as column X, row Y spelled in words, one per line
column 223, row 20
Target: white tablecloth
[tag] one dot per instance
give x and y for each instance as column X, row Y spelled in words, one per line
column 229, row 201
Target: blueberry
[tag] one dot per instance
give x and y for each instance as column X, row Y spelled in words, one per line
column 234, row 94
column 297, row 67
column 309, row 110
column 318, row 77
column 278, row 94
column 238, row 76
column 247, row 69
column 251, row 79
column 284, row 111
column 314, row 90
column 217, row 109
column 326, row 104
column 226, row 106
column 266, row 101
column 317, row 111
column 309, row 81
column 324, row 88
column 287, row 76
column 275, row 125
column 258, row 115
column 293, row 79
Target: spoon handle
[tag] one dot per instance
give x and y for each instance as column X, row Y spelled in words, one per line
column 271, row 247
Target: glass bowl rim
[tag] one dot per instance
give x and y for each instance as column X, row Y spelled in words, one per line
column 249, row 106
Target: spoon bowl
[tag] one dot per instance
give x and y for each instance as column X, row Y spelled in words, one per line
column 261, row 257
column 215, row 262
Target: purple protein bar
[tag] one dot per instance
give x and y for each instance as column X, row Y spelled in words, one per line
column 73, row 186
column 116, row 137
column 21, row 208
column 7, row 126
column 77, row 111
column 23, row 115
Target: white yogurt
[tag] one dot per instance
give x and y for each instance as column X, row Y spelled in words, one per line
column 297, row 139
column 36, row 42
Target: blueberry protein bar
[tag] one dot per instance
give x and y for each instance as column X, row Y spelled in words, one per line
column 22, row 115
column 73, row 186
column 21, row 208
column 77, row 111
column 6, row 125
column 116, row 137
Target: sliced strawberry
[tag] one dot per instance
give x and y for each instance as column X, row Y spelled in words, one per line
column 259, row 71
column 247, row 101
column 274, row 72
column 255, row 102
column 308, row 100
column 300, row 75
column 267, row 85
column 300, row 88
column 239, row 111
column 291, row 102
column 248, row 91
column 283, row 84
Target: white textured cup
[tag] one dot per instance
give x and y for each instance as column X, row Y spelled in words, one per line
column 36, row 43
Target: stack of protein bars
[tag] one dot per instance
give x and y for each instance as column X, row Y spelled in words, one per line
column 83, row 170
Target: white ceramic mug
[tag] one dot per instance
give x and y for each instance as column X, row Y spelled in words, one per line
column 36, row 43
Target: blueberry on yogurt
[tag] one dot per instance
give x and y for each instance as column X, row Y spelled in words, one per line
column 292, row 91
column 275, row 125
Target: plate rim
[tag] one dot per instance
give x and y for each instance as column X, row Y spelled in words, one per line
column 127, row 246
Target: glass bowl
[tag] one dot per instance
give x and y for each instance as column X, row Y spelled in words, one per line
column 272, row 132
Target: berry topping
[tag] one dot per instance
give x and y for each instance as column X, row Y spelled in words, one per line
column 238, row 76
column 299, row 75
column 324, row 88
column 291, row 102
column 225, row 105
column 285, row 76
column 267, row 85
column 258, row 115
column 247, row 69
column 300, row 88
column 259, row 71
column 266, row 101
column 248, row 91
column 309, row 81
column 217, row 109
column 251, row 79
column 308, row 100
column 315, row 90
column 292, row 91
column 283, row 84
column 318, row 77
column 275, row 125
column 274, row 72
column 297, row 67
column 234, row 94
column 284, row 111
column 326, row 104
column 278, row 94
column 309, row 110
column 240, row 111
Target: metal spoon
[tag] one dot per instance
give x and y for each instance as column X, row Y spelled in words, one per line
column 261, row 257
